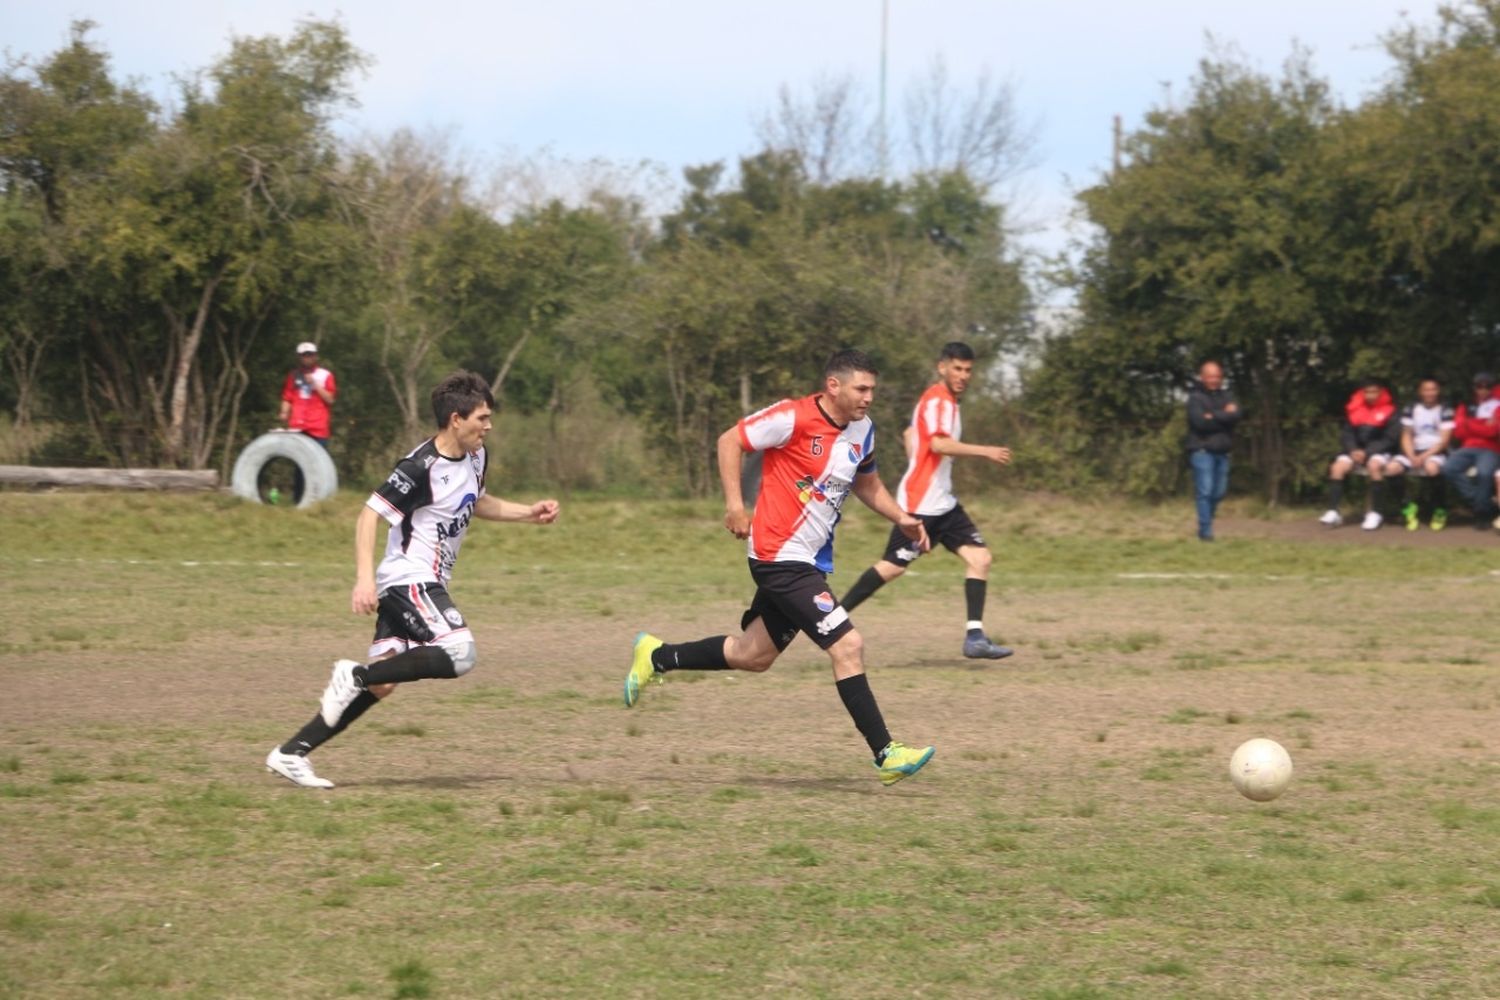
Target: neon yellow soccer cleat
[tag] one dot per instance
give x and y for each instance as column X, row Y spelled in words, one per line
column 899, row 761
column 641, row 670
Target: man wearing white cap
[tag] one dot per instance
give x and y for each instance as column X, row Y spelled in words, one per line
column 307, row 395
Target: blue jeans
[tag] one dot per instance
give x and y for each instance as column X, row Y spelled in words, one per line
column 1478, row 493
column 1210, row 483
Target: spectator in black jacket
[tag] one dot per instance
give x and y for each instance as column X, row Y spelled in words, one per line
column 1211, row 415
column 1370, row 439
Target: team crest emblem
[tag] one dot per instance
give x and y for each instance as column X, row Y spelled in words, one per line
column 824, row 601
column 855, row 451
column 454, row 618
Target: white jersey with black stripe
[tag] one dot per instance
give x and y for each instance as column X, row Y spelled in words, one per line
column 428, row 500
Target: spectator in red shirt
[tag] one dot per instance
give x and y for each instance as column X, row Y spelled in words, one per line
column 1476, row 432
column 307, row 395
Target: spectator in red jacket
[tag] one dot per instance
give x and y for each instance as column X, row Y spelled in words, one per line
column 1477, row 434
column 307, row 395
column 1371, row 437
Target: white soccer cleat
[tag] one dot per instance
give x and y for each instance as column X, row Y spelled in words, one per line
column 294, row 769
column 1372, row 521
column 341, row 691
column 1331, row 518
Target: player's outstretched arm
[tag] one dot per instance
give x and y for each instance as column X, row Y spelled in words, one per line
column 731, row 462
column 990, row 452
column 492, row 508
column 873, row 494
column 363, row 600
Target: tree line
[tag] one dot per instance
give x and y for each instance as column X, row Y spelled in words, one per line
column 157, row 263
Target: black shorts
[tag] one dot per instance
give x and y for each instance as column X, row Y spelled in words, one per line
column 416, row 614
column 952, row 528
column 792, row 597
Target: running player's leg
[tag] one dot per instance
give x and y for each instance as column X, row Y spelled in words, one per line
column 798, row 594
column 763, row 635
column 899, row 554
column 958, row 533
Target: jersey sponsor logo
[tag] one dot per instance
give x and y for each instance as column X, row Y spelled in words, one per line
column 809, row 490
column 401, row 482
column 456, row 527
column 832, row 620
column 454, row 618
column 824, row 601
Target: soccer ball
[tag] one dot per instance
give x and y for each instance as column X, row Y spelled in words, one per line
column 1260, row 769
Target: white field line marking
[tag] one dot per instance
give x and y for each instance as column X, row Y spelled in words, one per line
column 80, row 561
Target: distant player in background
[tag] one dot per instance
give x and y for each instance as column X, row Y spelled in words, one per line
column 926, row 491
column 307, row 396
column 815, row 452
column 1426, row 428
column 428, row 502
column 1370, row 438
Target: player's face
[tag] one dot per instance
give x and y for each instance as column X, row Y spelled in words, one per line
column 308, row 360
column 472, row 429
column 1372, row 394
column 851, row 396
column 1428, row 392
column 956, row 373
column 1212, row 377
column 1481, row 392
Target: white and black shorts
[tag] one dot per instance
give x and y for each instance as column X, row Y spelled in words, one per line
column 792, row 597
column 1406, row 463
column 417, row 614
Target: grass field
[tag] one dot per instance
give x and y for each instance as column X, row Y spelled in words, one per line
column 518, row 833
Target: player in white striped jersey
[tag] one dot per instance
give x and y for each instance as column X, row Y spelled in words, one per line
column 428, row 501
column 1426, row 429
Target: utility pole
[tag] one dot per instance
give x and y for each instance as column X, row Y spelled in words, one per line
column 885, row 21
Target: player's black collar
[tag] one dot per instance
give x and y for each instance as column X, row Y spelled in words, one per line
column 818, row 402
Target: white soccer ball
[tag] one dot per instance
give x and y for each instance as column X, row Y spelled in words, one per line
column 1260, row 769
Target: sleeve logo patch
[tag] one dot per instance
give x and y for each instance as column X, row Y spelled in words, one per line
column 401, row 482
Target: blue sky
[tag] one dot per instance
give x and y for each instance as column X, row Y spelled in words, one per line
column 679, row 83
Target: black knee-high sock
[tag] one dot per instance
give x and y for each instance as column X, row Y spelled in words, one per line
column 974, row 591
column 317, row 732
column 860, row 702
column 1377, row 495
column 869, row 582
column 1439, row 491
column 1398, row 491
column 700, row 654
column 1335, row 493
column 418, row 664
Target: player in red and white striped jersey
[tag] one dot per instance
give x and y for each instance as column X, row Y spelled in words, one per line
column 816, row 451
column 927, row 491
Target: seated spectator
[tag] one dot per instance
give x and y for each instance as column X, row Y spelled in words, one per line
column 1477, row 435
column 1369, row 439
column 1426, row 427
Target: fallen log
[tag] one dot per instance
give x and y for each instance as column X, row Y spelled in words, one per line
column 121, row 479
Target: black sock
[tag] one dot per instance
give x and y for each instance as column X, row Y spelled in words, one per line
column 417, row 664
column 974, row 598
column 1377, row 495
column 700, row 654
column 1335, row 493
column 317, row 732
column 1439, row 492
column 1398, row 491
column 860, row 701
column 866, row 585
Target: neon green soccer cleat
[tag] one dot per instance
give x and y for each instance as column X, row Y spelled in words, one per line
column 1409, row 511
column 899, row 761
column 641, row 670
column 1439, row 520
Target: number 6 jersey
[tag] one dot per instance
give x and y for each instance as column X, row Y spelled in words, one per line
column 808, row 468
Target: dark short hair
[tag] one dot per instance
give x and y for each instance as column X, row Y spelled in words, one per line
column 956, row 350
column 1484, row 378
column 845, row 363
column 459, row 393
column 1430, row 378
